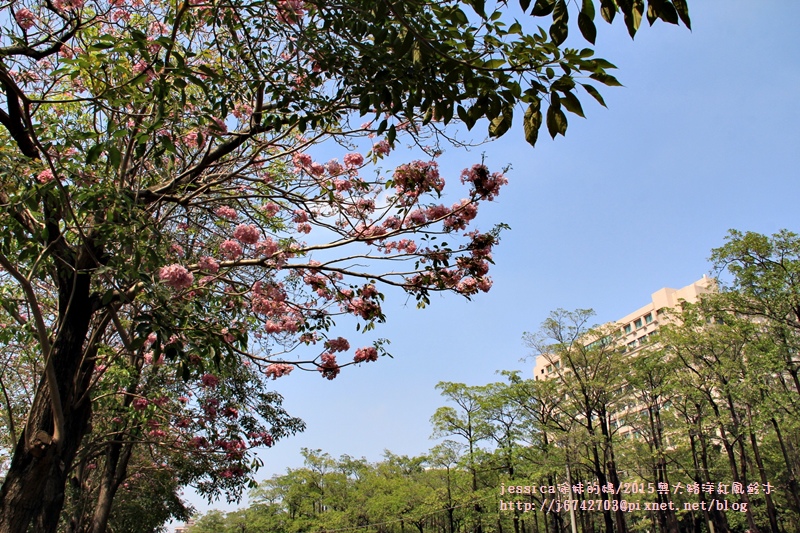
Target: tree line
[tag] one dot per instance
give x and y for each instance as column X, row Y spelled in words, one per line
column 699, row 426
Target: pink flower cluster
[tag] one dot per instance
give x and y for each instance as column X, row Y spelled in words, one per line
column 334, row 167
column 226, row 212
column 381, row 148
column 339, row 344
column 262, row 436
column 353, row 160
column 301, row 160
column 210, row 380
column 25, row 18
column 369, row 353
column 246, row 233
column 231, row 249
column 267, row 247
column 270, row 209
column 176, row 276
column 485, row 185
column 277, row 370
column 463, row 213
column 418, row 177
column 45, row 176
column 209, row 264
column 329, row 368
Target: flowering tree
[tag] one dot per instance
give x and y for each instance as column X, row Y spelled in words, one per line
column 168, row 230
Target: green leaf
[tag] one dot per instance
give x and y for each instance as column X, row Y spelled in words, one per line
column 572, row 104
column 633, row 17
column 594, row 93
column 501, row 124
column 93, row 154
column 478, row 6
column 606, row 79
column 532, row 122
column 560, row 26
column 542, row 8
column 114, row 157
column 524, row 5
column 608, row 9
column 556, row 120
column 586, row 25
column 683, row 12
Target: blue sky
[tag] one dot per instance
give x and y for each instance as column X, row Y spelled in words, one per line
column 702, row 138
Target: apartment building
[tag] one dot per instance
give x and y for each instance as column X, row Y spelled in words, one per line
column 637, row 328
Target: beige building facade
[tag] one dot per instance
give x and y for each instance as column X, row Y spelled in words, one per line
column 637, row 328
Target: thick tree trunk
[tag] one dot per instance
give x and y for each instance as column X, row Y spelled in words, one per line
column 32, row 494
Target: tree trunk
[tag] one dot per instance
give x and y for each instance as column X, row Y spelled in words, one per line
column 32, row 495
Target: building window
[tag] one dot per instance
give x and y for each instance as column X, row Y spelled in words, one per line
column 638, row 323
column 642, row 340
column 628, row 328
column 631, row 345
column 648, row 318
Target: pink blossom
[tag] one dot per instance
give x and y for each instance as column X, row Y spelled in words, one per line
column 342, row 185
column 369, row 353
column 418, row 177
column 435, row 212
column 176, row 276
column 382, row 148
column 417, row 217
column 192, row 139
column 140, row 403
column 25, row 18
column 485, row 185
column 267, row 247
column 290, row 11
column 226, row 212
column 246, row 233
column 329, row 368
column 301, row 160
column 467, row 286
column 485, row 284
column 209, row 264
column 177, row 249
column 339, row 344
column 198, row 442
column 304, row 228
column 300, row 216
column 220, row 125
column 142, row 66
column 45, row 176
column 270, row 209
column 231, row 249
column 353, row 160
column 210, row 380
column 277, row 370
column 316, row 169
column 364, row 308
column 334, row 167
